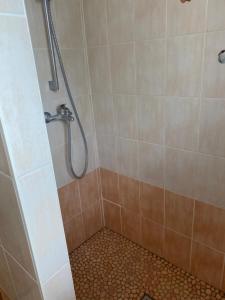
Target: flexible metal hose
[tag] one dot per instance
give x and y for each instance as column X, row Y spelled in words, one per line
column 69, row 148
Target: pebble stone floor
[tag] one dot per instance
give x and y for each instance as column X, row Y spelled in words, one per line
column 111, row 267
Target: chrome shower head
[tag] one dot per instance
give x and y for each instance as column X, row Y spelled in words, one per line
column 221, row 57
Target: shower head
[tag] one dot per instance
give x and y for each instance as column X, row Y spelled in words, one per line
column 221, row 57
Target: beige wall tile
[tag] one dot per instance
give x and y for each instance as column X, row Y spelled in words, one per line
column 109, row 182
column 26, row 287
column 12, row 232
column 181, row 123
column 68, row 23
column 214, row 74
column 184, row 65
column 107, row 147
column 74, row 60
column 179, row 212
column 74, row 231
column 177, row 249
column 215, row 15
column 150, row 61
column 41, row 210
column 210, row 179
column 12, row 6
column 122, row 68
column 112, row 214
column 209, row 225
column 180, row 172
column 36, row 22
column 149, row 19
column 152, row 236
column 120, row 20
column 212, row 136
column 99, row 69
column 151, row 163
column 207, row 264
column 151, row 118
column 104, row 113
column 95, row 21
column 186, row 18
column 126, row 115
column 6, row 283
column 127, row 157
column 60, row 286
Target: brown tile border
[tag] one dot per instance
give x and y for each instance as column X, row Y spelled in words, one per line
column 181, row 222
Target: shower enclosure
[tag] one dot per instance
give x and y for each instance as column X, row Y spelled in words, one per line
column 145, row 78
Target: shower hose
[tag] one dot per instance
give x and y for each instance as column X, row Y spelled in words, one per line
column 69, row 134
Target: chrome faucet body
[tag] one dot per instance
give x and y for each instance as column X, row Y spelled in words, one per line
column 63, row 113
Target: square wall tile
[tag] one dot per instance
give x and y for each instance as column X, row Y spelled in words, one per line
column 19, row 62
column 126, row 115
column 186, row 18
column 151, row 118
column 12, row 6
column 95, row 21
column 123, row 68
column 109, row 181
column 41, row 210
column 107, row 145
column 104, row 114
column 149, row 19
column 129, row 193
column 98, row 59
column 26, row 287
column 207, row 264
column 36, row 22
column 212, row 136
column 70, row 200
column 181, row 123
column 60, row 286
column 120, row 20
column 151, row 164
column 74, row 59
column 209, row 225
column 75, row 233
column 215, row 15
column 68, row 23
column 180, row 173
column 92, row 220
column 128, row 157
column 150, row 65
column 152, row 236
column 89, row 190
column 112, row 214
column 210, row 178
column 179, row 213
column 184, row 65
column 6, row 283
column 177, row 249
column 214, row 73
column 131, row 226
column 12, row 232
column 152, row 203
column 223, row 282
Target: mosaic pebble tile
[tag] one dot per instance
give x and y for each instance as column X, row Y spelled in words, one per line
column 109, row 266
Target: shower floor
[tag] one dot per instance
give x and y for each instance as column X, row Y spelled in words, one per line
column 109, row 266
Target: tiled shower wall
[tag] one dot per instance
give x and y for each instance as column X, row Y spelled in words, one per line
column 79, row 200
column 159, row 105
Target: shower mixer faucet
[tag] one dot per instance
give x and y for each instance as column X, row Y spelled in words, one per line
column 63, row 113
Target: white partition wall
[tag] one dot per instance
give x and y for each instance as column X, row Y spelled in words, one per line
column 34, row 263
